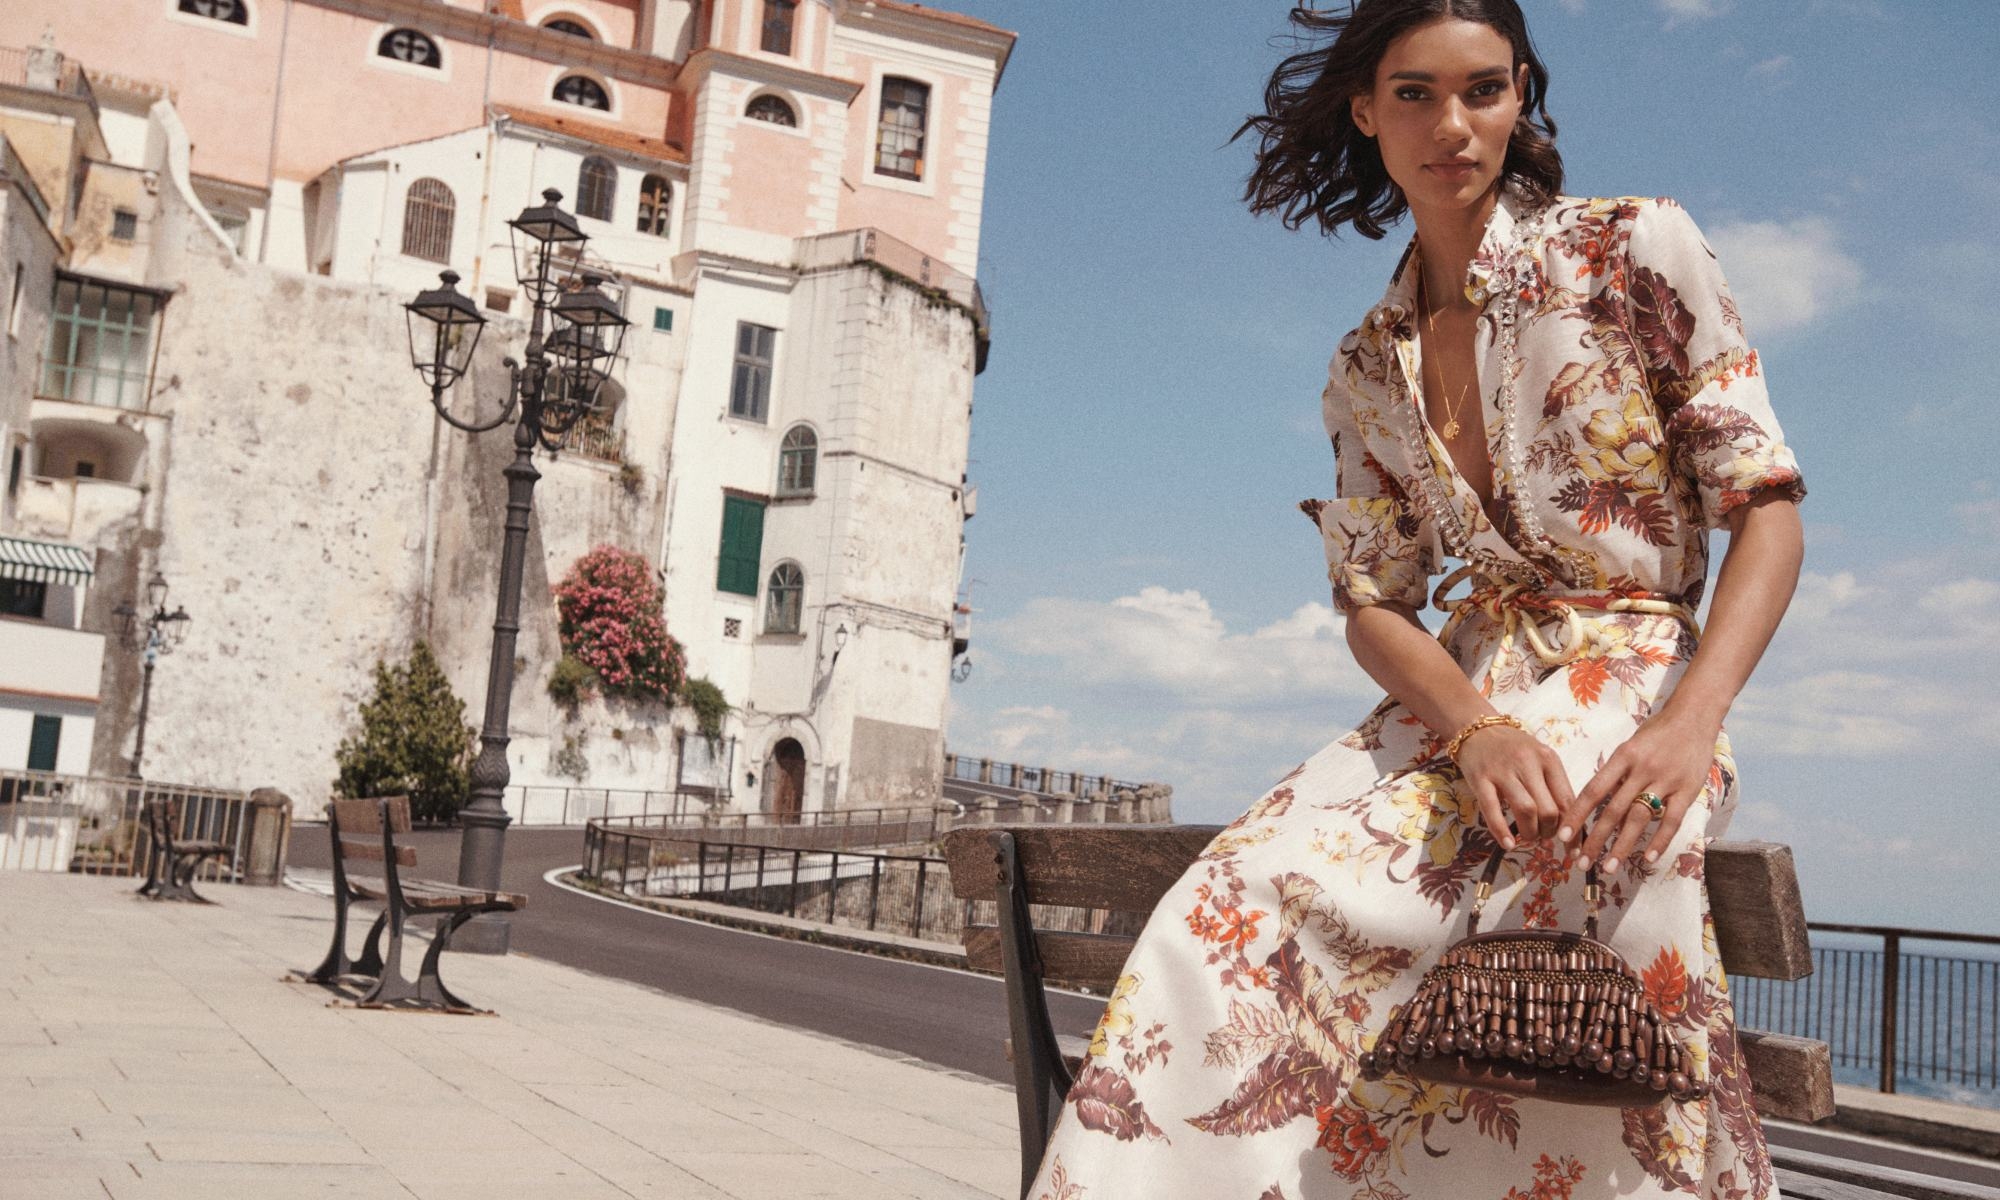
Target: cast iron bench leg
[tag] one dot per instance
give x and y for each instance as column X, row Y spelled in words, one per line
column 335, row 964
column 370, row 962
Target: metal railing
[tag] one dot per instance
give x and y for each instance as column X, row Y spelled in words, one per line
column 1933, row 1019
column 598, row 442
column 17, row 70
column 536, row 804
column 840, row 828
column 907, row 894
column 1022, row 777
column 93, row 825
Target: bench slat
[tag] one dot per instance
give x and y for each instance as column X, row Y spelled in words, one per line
column 1816, row 1171
column 371, row 850
column 1120, row 866
column 1760, row 921
column 1791, row 1077
column 1088, row 959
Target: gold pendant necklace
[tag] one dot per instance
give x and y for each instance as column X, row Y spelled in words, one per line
column 1430, row 317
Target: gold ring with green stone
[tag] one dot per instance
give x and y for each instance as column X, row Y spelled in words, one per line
column 1654, row 802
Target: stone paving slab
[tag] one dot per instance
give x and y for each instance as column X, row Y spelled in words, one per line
column 152, row 1051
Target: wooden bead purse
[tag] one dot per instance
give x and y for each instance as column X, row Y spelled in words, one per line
column 1536, row 1012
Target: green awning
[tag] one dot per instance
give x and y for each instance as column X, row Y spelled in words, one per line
column 45, row 562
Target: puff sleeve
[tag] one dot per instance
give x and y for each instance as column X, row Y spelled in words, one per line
column 1723, row 439
column 1378, row 546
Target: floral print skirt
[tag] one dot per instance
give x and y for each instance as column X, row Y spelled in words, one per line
column 1224, row 1064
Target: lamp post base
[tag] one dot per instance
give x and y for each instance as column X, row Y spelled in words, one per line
column 487, row 933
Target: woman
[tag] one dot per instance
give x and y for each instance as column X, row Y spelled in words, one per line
column 1557, row 391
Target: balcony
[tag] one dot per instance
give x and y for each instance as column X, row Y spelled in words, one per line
column 74, row 510
column 43, row 69
column 596, row 441
column 49, row 660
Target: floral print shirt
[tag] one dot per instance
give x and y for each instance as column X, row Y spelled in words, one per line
column 1626, row 413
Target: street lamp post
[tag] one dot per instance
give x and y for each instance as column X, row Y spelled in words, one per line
column 156, row 632
column 573, row 338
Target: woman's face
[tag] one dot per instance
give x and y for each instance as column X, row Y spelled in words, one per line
column 1442, row 109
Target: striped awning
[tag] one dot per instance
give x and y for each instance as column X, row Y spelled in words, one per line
column 45, row 562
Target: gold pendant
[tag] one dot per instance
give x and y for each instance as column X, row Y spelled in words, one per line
column 1451, row 428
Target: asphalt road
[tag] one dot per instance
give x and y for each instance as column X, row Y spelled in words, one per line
column 949, row 1018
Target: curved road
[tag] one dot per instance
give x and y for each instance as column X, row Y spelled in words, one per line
column 950, row 1018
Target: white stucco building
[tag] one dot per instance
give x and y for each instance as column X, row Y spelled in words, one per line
column 789, row 197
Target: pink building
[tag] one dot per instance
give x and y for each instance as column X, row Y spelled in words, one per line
column 789, row 195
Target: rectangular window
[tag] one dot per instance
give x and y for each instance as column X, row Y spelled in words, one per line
column 14, row 461
column 99, row 342
column 43, row 741
column 778, row 16
column 20, row 598
column 750, row 385
column 663, row 320
column 86, row 470
column 124, row 224
column 899, row 137
column 742, row 545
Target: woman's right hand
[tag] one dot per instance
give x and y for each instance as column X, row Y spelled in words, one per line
column 1513, row 774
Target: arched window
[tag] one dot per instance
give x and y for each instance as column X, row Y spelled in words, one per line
column 596, row 188
column 899, row 137
column 428, row 208
column 656, row 205
column 773, row 109
column 572, row 28
column 778, row 16
column 583, row 91
column 785, row 602
column 232, row 11
column 407, row 45
column 797, row 457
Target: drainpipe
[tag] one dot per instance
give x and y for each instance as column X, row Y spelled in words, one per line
column 271, row 154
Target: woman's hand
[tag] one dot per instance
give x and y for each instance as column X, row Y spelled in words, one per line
column 1670, row 756
column 1510, row 771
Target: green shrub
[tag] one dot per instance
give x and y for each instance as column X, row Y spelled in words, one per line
column 413, row 740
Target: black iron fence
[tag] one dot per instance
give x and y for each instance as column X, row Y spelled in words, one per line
column 92, row 825
column 1890, row 1016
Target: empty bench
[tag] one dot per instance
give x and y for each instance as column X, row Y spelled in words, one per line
column 172, row 860
column 365, row 831
column 1753, row 892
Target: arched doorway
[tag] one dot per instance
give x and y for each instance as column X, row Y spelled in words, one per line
column 787, row 772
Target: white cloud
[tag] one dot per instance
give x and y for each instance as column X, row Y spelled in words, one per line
column 1681, row 11
column 1784, row 274
column 1773, row 68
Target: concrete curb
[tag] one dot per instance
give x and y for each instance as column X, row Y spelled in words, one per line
column 1916, row 1120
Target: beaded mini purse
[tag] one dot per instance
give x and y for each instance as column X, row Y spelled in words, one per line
column 1536, row 1012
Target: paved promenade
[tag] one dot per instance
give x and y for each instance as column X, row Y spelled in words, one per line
column 152, row 1050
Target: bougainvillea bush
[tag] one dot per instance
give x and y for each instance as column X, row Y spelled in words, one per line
column 609, row 617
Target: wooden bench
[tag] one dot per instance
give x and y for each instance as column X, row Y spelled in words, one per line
column 171, row 861
column 365, row 830
column 1753, row 893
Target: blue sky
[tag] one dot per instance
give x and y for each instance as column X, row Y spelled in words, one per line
column 1149, row 601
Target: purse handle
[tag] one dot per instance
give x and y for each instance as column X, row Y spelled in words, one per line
column 1591, row 893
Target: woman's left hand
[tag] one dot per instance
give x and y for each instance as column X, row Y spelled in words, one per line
column 1671, row 756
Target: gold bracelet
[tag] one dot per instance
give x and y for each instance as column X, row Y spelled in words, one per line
column 1451, row 747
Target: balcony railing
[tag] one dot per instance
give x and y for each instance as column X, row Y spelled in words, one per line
column 17, row 69
column 601, row 443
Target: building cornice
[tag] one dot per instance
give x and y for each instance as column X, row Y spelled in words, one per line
column 514, row 36
column 914, row 22
column 709, row 60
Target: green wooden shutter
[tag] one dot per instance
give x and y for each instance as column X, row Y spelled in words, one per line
column 742, row 546
column 42, row 742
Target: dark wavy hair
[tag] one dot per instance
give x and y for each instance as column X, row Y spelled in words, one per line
column 1312, row 163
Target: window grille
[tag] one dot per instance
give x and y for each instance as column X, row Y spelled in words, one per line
column 778, row 15
column 797, row 458
column 99, row 344
column 596, row 188
column 750, row 384
column 583, row 91
column 428, row 209
column 407, row 45
column 899, row 139
column 773, row 109
column 784, row 599
column 232, row 11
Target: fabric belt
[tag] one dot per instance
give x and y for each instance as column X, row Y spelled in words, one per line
column 1506, row 601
